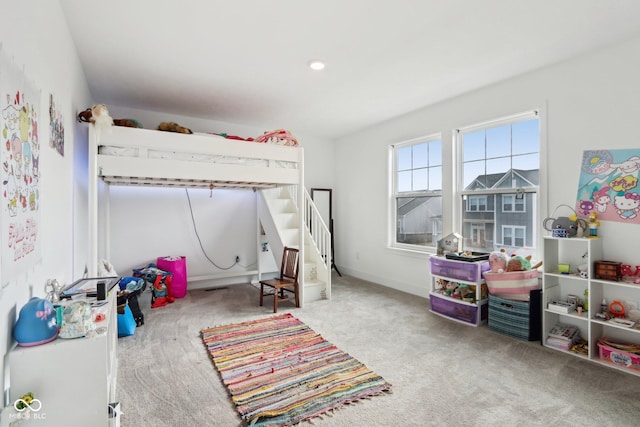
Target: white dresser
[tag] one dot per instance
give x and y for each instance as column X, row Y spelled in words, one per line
column 74, row 379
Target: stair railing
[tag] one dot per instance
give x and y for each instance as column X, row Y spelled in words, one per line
column 318, row 229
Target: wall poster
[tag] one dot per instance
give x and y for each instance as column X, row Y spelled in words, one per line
column 20, row 171
column 56, row 127
column 608, row 185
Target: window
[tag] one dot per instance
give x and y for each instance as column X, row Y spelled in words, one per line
column 417, row 193
column 498, row 167
column 511, row 203
column 477, row 204
column 513, row 236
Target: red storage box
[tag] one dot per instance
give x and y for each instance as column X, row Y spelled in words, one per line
column 619, row 357
column 460, row 270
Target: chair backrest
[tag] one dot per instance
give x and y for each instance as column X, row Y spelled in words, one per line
column 289, row 267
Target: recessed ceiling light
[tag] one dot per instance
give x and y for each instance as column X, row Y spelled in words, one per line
column 316, row 65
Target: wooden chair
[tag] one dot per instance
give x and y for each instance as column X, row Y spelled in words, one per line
column 286, row 283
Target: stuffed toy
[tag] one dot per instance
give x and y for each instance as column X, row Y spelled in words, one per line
column 278, row 136
column 173, row 127
column 97, row 112
column 498, row 261
column 519, row 263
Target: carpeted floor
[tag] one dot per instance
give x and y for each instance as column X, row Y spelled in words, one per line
column 443, row 373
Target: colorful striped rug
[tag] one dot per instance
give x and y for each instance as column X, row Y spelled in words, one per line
column 280, row 372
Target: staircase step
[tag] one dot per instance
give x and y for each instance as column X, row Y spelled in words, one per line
column 286, row 219
column 314, row 291
column 310, row 272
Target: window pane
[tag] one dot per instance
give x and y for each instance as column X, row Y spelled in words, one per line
column 419, row 220
column 496, row 169
column 404, row 181
column 472, row 171
column 420, row 156
column 420, row 178
column 435, row 153
column 526, row 137
column 499, row 141
column 473, row 146
column 435, row 178
column 526, row 162
column 403, row 155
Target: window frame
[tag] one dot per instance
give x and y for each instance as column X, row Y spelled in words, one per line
column 461, row 193
column 515, row 197
column 394, row 194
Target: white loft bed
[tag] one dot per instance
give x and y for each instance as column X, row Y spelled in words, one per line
column 142, row 157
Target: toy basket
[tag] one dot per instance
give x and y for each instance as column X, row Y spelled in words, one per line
column 514, row 285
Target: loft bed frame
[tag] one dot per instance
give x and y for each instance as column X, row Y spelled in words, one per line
column 151, row 158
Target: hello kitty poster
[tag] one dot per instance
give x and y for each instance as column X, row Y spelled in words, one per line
column 20, row 172
column 608, row 185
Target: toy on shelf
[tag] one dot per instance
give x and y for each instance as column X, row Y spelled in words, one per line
column 593, row 225
column 565, row 226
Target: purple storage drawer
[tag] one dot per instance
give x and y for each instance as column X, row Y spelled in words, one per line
column 458, row 310
column 461, row 270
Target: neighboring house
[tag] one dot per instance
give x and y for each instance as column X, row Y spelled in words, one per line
column 420, row 221
column 492, row 221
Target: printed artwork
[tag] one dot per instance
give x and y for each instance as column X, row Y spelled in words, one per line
column 56, row 126
column 609, row 185
column 20, row 172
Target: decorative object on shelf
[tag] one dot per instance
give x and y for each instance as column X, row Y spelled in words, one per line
column 608, row 270
column 450, row 243
column 564, row 268
column 616, row 309
column 571, row 224
column 593, row 225
column 36, row 323
column 53, row 289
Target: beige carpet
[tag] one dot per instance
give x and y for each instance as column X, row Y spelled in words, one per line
column 443, row 373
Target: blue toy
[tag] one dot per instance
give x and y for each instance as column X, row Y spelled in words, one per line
column 36, row 323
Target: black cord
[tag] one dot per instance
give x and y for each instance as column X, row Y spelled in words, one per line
column 193, row 221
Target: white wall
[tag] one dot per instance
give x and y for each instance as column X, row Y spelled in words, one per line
column 35, row 35
column 147, row 223
column 591, row 102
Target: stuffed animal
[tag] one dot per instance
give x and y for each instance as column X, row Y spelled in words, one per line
column 278, row 136
column 97, row 112
column 173, row 127
column 519, row 263
column 498, row 261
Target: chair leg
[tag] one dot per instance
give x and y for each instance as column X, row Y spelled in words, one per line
column 261, row 293
column 275, row 300
column 297, row 298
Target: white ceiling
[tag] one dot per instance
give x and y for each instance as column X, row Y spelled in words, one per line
column 245, row 61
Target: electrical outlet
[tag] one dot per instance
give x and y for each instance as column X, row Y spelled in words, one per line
column 237, row 258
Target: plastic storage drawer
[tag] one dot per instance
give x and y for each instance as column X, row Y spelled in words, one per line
column 461, row 311
column 460, row 270
column 518, row 319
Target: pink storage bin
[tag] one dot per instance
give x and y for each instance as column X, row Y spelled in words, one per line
column 178, row 266
column 514, row 285
column 619, row 357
